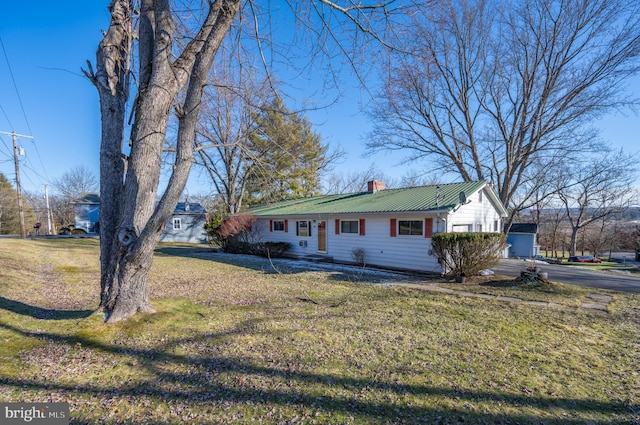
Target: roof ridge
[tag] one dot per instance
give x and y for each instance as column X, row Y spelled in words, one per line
column 414, row 187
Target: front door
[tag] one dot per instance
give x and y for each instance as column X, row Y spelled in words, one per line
column 322, row 236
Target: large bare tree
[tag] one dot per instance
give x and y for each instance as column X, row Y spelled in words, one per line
column 130, row 220
column 506, row 91
column 170, row 78
column 597, row 189
column 223, row 148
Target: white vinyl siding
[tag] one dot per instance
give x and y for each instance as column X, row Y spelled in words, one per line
column 381, row 249
column 407, row 252
column 478, row 215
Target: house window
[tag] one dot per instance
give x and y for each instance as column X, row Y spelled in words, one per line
column 303, row 228
column 461, row 228
column 177, row 224
column 478, row 227
column 349, row 226
column 495, row 225
column 410, row 227
column 278, row 225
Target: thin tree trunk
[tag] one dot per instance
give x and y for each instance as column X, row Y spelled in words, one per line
column 573, row 247
column 111, row 81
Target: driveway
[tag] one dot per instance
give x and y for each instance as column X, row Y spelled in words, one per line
column 575, row 275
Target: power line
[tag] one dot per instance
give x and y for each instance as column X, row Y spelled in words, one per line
column 44, row 178
column 9, row 154
column 44, row 170
column 6, row 116
column 15, row 86
column 24, row 114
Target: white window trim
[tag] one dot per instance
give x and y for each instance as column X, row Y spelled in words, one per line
column 457, row 228
column 177, row 221
column 274, row 225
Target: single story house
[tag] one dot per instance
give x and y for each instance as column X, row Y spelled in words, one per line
column 523, row 238
column 186, row 223
column 390, row 228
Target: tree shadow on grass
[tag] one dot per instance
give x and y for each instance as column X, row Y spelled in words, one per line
column 286, row 266
column 42, row 313
column 190, row 379
column 195, row 251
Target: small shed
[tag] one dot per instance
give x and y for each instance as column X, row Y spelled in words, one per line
column 523, row 238
column 186, row 224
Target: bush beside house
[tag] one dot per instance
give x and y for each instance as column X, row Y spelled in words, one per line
column 466, row 254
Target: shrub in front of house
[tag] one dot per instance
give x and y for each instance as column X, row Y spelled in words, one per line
column 273, row 249
column 239, row 234
column 213, row 228
column 263, row 249
column 358, row 254
column 465, row 254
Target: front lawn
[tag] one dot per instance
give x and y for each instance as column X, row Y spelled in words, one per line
column 245, row 340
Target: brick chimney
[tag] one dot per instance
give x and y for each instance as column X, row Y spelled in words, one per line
column 374, row 186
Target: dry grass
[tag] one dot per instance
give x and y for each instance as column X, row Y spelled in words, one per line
column 529, row 290
column 247, row 343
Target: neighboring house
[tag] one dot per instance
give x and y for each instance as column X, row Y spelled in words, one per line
column 394, row 226
column 86, row 213
column 186, row 223
column 522, row 238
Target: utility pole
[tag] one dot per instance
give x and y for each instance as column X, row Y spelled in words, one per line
column 46, row 199
column 14, row 137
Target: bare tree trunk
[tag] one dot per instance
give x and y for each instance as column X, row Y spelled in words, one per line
column 131, row 221
column 573, row 246
column 111, row 80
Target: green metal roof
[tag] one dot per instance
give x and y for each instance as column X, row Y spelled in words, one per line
column 412, row 199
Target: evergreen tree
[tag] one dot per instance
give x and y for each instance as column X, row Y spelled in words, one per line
column 9, row 216
column 9, row 221
column 288, row 155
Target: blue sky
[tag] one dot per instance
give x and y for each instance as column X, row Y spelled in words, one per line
column 47, row 43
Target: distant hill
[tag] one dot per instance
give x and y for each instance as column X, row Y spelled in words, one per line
column 631, row 214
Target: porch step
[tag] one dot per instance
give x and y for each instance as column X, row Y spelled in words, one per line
column 317, row 258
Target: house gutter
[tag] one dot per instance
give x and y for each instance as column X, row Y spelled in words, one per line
column 374, row 213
